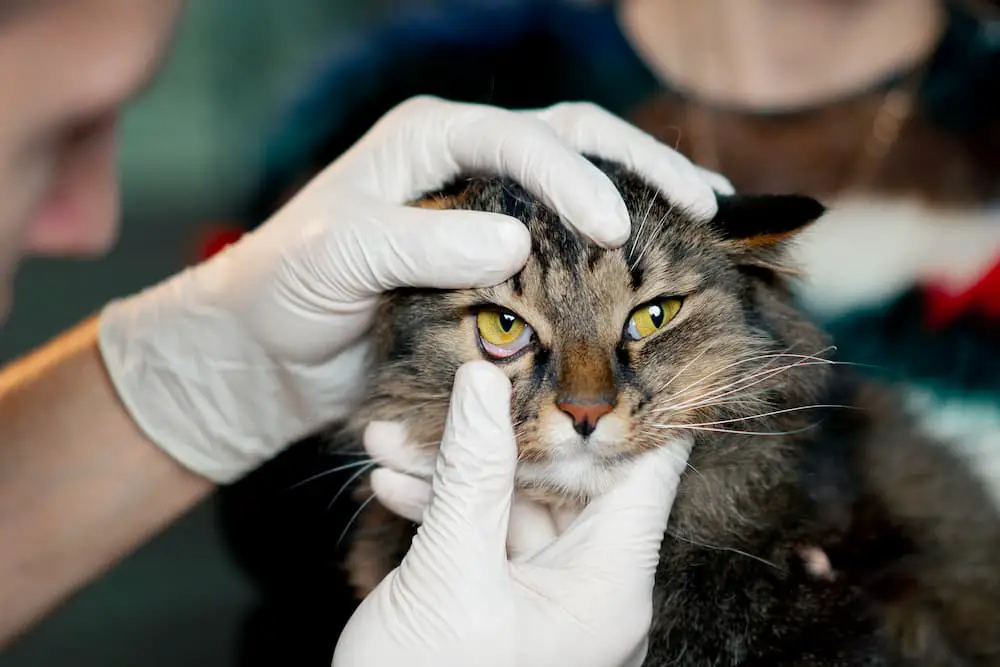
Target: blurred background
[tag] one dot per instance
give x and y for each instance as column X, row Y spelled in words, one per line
column 191, row 146
column 907, row 276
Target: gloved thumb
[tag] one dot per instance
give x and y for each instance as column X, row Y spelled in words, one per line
column 472, row 488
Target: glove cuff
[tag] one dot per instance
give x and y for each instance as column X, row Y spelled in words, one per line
column 176, row 388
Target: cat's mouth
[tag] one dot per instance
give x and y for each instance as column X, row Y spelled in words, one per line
column 560, row 463
column 557, row 461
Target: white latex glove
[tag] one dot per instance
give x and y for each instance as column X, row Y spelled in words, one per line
column 582, row 599
column 226, row 363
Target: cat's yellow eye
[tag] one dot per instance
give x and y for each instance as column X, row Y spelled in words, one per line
column 651, row 317
column 502, row 333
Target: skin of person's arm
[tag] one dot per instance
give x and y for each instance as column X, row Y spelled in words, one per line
column 80, row 485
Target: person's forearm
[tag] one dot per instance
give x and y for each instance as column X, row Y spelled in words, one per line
column 80, row 486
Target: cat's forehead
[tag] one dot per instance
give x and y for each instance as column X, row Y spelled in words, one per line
column 573, row 283
column 572, row 286
column 667, row 245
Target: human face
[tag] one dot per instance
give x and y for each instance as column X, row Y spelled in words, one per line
column 66, row 68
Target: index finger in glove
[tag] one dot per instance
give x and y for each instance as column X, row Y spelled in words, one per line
column 467, row 518
column 426, row 142
column 593, row 130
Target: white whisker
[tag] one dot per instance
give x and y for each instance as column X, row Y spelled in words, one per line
column 732, row 431
column 652, row 238
column 771, row 414
column 750, row 398
column 686, row 366
column 757, row 378
column 331, row 471
column 353, row 518
column 350, row 481
column 770, row 355
column 638, row 233
column 677, row 536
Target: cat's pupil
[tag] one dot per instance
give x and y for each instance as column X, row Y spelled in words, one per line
column 656, row 316
column 507, row 322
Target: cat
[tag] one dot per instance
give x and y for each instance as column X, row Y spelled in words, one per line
column 814, row 524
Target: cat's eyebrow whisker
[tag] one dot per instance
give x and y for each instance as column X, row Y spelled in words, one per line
column 773, row 413
column 652, row 238
column 635, row 238
column 354, row 517
column 763, row 368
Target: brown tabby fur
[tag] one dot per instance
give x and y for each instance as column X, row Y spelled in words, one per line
column 911, row 535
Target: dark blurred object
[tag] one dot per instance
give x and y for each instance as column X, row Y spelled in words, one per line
column 284, row 532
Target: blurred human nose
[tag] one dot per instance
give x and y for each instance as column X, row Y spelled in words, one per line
column 80, row 214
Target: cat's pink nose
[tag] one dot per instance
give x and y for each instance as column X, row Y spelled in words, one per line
column 585, row 414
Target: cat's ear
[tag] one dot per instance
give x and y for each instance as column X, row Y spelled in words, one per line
column 764, row 221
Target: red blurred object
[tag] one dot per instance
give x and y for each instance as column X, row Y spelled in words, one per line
column 215, row 238
column 982, row 298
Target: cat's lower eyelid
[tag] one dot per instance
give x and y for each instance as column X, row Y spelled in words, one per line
column 497, row 353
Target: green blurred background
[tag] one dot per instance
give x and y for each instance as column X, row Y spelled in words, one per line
column 190, row 149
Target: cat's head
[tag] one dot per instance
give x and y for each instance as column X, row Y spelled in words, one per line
column 610, row 352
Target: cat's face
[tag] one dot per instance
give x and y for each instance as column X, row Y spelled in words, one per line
column 610, row 353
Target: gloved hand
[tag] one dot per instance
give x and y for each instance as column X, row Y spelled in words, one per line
column 583, row 598
column 226, row 363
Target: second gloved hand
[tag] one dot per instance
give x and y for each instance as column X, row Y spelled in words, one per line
column 492, row 585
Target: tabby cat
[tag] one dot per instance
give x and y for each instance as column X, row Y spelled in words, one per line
column 814, row 525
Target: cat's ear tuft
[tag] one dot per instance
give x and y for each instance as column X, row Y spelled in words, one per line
column 764, row 220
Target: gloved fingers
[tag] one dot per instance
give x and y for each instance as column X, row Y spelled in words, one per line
column 653, row 478
column 592, row 130
column 414, row 247
column 532, row 528
column 467, row 519
column 400, row 493
column 426, row 142
column 402, row 480
column 619, row 533
column 389, row 444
